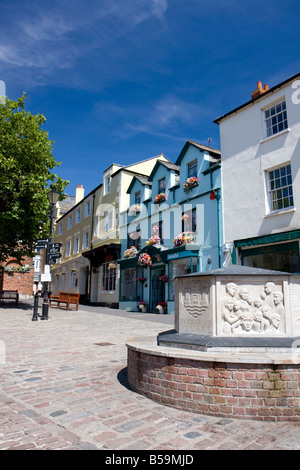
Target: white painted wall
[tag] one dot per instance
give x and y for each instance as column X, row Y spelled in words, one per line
column 246, row 156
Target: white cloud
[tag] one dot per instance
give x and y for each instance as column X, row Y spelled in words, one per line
column 58, row 37
column 159, row 7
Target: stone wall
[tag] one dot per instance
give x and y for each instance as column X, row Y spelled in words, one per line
column 243, row 391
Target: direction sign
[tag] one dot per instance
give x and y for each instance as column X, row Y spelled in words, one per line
column 39, row 246
column 53, row 250
column 55, row 245
column 54, row 255
column 41, row 243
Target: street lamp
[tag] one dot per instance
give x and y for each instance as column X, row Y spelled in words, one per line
column 53, row 196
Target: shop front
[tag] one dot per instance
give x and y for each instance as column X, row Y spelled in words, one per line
column 150, row 286
column 279, row 252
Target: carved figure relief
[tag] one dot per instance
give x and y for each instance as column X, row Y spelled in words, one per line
column 242, row 313
column 196, row 300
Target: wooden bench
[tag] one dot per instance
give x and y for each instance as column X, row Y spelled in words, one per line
column 9, row 295
column 67, row 298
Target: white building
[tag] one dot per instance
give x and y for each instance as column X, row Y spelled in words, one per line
column 260, row 146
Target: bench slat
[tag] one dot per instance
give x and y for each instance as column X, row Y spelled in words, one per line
column 68, row 298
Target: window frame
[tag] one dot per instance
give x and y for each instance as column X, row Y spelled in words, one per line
column 137, row 197
column 85, row 240
column 70, row 221
column 77, row 216
column 273, row 187
column 108, row 275
column 269, row 130
column 192, row 165
column 162, row 189
column 108, row 220
column 87, row 208
column 107, row 184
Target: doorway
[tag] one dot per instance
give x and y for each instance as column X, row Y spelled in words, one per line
column 157, row 289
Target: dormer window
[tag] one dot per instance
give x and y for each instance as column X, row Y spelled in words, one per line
column 137, row 197
column 162, row 185
column 192, row 169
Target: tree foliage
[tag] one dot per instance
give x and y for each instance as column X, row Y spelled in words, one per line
column 26, row 175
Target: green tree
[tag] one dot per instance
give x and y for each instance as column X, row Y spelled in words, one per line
column 26, row 164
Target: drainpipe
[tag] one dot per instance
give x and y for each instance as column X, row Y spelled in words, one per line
column 91, row 247
column 218, row 197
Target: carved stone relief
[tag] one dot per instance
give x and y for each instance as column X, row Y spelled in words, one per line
column 195, row 300
column 245, row 309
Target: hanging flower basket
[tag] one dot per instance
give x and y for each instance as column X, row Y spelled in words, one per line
column 184, row 238
column 163, row 278
column 142, row 279
column 145, row 260
column 112, row 265
column 159, row 198
column 134, row 209
column 131, row 252
column 190, row 183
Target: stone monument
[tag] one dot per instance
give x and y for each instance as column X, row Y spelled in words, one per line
column 236, row 306
column 234, row 349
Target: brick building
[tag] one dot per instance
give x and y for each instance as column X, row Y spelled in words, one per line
column 15, row 275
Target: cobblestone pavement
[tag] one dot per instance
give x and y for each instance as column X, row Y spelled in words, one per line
column 63, row 386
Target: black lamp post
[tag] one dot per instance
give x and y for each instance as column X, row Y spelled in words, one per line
column 53, row 196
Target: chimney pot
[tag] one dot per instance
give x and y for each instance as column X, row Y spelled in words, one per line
column 259, row 90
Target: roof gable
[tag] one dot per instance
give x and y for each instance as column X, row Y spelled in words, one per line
column 203, row 148
column 169, row 166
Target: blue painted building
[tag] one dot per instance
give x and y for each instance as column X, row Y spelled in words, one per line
column 172, row 227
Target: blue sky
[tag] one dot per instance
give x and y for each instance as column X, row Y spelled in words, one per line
column 124, row 80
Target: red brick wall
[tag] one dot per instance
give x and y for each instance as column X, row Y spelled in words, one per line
column 22, row 282
column 243, row 391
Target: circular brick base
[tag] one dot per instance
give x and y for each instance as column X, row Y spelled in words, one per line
column 241, row 390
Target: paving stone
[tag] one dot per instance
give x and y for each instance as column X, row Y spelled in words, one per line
column 59, row 390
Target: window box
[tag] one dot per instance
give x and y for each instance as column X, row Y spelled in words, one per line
column 160, row 198
column 190, row 183
column 184, row 238
column 135, row 209
column 154, row 240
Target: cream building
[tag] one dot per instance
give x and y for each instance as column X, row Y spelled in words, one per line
column 90, row 236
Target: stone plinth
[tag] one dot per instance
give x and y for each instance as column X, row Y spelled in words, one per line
column 234, row 351
column 238, row 306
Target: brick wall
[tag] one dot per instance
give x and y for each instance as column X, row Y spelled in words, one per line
column 242, row 391
column 21, row 281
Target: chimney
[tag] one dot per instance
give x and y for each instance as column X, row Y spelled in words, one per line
column 259, row 90
column 79, row 194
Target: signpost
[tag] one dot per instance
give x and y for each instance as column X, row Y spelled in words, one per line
column 52, row 254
